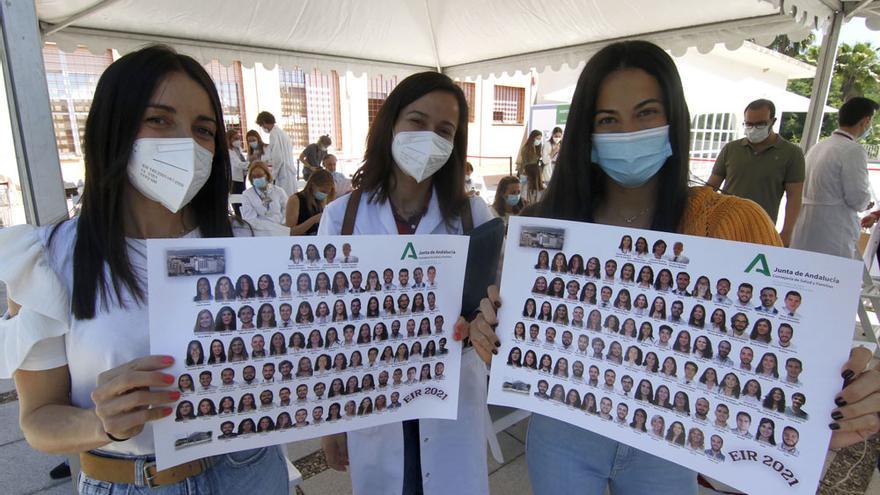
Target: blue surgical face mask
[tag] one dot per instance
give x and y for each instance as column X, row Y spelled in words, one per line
column 512, row 199
column 865, row 134
column 259, row 182
column 320, row 196
column 632, row 158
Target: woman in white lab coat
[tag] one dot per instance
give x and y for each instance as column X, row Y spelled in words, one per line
column 238, row 164
column 263, row 204
column 424, row 117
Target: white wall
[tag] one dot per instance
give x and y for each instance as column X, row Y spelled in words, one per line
column 486, row 138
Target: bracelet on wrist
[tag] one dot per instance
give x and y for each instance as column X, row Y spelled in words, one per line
column 111, row 437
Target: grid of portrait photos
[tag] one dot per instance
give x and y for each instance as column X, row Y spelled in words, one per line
column 327, row 340
column 633, row 331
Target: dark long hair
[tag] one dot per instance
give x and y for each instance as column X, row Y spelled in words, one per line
column 121, row 98
column 577, row 186
column 376, row 174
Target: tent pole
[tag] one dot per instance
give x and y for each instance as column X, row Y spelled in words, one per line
column 433, row 37
column 54, row 28
column 822, row 82
column 36, row 152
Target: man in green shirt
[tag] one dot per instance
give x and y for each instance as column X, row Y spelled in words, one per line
column 761, row 166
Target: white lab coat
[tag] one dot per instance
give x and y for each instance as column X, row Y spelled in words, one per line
column 239, row 165
column 343, row 184
column 265, row 219
column 280, row 156
column 836, row 189
column 453, row 453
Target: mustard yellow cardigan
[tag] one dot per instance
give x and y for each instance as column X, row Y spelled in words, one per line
column 721, row 216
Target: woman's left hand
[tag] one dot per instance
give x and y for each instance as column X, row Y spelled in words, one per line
column 482, row 329
column 858, row 414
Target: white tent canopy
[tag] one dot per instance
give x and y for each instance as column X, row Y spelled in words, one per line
column 460, row 37
column 463, row 38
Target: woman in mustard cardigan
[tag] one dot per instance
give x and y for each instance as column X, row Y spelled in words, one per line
column 631, row 90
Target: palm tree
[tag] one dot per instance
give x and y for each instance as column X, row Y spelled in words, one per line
column 858, row 68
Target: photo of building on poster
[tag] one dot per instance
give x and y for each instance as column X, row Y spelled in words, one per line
column 713, row 354
column 314, row 336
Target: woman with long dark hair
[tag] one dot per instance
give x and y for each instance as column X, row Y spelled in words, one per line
column 412, row 182
column 82, row 377
column 629, row 96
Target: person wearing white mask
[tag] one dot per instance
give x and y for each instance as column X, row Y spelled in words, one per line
column 624, row 162
column 550, row 152
column 530, row 167
column 761, row 166
column 411, row 182
column 312, row 157
column 304, row 208
column 77, row 340
column 238, row 164
column 279, row 154
column 263, row 204
column 837, row 186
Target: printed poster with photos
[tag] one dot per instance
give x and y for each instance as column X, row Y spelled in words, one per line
column 720, row 356
column 279, row 339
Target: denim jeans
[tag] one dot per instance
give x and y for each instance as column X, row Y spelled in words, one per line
column 566, row 459
column 257, row 471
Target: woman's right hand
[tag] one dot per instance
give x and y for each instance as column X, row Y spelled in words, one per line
column 481, row 331
column 336, row 451
column 123, row 399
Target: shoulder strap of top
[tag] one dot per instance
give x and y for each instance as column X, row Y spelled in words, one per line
column 351, row 209
column 467, row 217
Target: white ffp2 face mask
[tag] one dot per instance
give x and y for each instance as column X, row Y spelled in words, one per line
column 169, row 171
column 420, row 154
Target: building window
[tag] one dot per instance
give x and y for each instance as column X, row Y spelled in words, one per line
column 709, row 133
column 379, row 89
column 72, row 78
column 309, row 106
column 470, row 95
column 227, row 79
column 509, row 107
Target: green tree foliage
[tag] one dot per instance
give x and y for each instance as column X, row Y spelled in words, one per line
column 856, row 73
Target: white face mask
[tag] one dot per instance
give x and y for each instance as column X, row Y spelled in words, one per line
column 169, row 170
column 537, row 141
column 756, row 135
column 420, row 154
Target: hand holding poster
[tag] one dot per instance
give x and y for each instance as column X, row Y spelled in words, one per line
column 282, row 339
column 704, row 352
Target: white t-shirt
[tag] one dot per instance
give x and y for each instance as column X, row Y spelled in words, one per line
column 114, row 337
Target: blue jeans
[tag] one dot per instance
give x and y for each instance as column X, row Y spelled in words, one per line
column 257, row 471
column 563, row 458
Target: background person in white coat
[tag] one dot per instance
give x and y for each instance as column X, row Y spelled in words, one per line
column 238, row 164
column 263, row 204
column 279, row 154
column 425, row 116
column 837, row 187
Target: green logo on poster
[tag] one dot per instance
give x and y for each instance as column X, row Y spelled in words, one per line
column 409, row 252
column 763, row 269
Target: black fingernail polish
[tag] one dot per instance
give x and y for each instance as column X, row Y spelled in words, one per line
column 840, row 402
column 497, row 304
column 495, row 351
column 834, row 426
column 848, row 374
column 497, row 344
column 836, row 415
